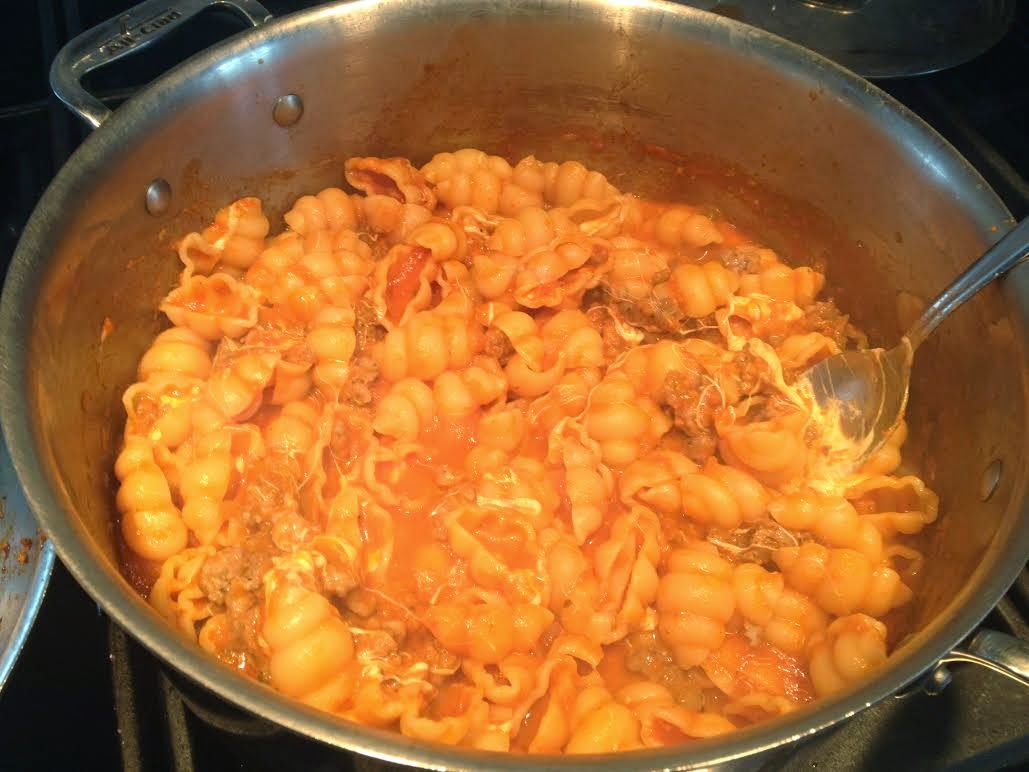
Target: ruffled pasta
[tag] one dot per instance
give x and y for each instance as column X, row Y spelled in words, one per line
column 761, row 680
column 487, row 631
column 430, row 343
column 702, row 289
column 178, row 351
column 589, row 486
column 656, row 480
column 786, row 618
column 830, row 519
column 330, row 210
column 213, row 307
column 842, row 581
column 161, row 407
column 470, row 178
column 664, row 722
column 851, row 648
column 599, row 724
column 895, row 505
column 392, row 177
column 722, row 496
column 151, row 524
column 233, row 241
column 623, row 424
column 492, row 454
column 695, row 601
column 176, row 594
column 794, row 285
column 311, row 650
column 682, row 225
column 332, row 340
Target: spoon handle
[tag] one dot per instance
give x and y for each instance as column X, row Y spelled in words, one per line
column 998, row 260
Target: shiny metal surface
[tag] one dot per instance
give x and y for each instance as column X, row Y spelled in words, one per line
column 667, row 101
column 1011, row 250
column 869, row 389
column 25, row 564
column 288, row 110
column 996, row 651
column 123, row 35
column 991, row 479
column 862, row 396
column 158, row 196
column 1002, row 649
column 880, row 38
column 938, row 680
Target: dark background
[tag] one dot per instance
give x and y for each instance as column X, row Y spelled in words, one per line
column 57, row 710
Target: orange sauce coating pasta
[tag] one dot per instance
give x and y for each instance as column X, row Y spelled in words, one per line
column 499, row 456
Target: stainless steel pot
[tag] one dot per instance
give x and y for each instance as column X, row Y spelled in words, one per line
column 668, row 101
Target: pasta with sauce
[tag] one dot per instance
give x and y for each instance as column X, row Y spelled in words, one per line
column 500, row 456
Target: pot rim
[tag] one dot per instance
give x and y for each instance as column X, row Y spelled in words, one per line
column 142, row 113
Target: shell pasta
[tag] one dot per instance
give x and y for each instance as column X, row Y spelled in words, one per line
column 499, row 456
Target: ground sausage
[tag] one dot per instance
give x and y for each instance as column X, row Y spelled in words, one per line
column 218, row 572
column 647, row 656
column 693, row 410
column 755, row 543
column 823, row 317
column 603, row 320
column 243, row 566
column 363, row 373
column 749, row 373
column 498, row 346
column 245, row 614
column 742, row 259
column 367, row 330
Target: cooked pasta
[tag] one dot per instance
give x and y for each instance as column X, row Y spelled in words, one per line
column 496, row 455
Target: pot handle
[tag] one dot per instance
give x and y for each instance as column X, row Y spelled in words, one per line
column 999, row 652
column 123, row 35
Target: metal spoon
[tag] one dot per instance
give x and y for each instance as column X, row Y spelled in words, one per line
column 865, row 392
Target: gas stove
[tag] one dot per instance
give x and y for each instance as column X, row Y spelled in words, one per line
column 85, row 696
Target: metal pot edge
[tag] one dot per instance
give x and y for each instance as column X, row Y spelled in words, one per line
column 134, row 615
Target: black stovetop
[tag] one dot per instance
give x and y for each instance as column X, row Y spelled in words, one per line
column 84, row 697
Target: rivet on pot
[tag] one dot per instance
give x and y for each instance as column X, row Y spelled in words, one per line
column 937, row 681
column 990, row 479
column 288, row 110
column 158, row 196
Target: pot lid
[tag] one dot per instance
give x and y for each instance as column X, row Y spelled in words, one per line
column 879, row 38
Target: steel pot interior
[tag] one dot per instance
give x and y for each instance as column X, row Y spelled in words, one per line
column 667, row 101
